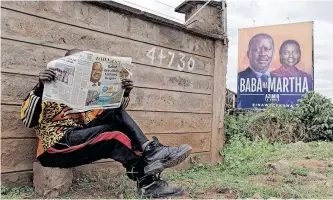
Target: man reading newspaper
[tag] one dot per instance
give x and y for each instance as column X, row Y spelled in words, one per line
column 68, row 139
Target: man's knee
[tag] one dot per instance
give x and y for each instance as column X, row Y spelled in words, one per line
column 114, row 111
column 120, row 112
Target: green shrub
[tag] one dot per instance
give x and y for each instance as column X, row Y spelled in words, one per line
column 316, row 114
column 276, row 124
column 236, row 125
column 310, row 120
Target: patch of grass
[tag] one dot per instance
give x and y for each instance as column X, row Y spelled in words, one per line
column 288, row 179
column 104, row 185
column 245, row 158
column 300, row 150
column 307, row 191
column 242, row 159
column 301, row 171
column 17, row 192
column 127, row 188
column 83, row 181
column 329, row 174
column 199, row 180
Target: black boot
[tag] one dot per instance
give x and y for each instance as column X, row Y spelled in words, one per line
column 152, row 186
column 159, row 157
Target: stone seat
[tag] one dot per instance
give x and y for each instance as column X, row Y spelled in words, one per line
column 51, row 182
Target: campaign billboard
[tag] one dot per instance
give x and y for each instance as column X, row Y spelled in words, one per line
column 275, row 65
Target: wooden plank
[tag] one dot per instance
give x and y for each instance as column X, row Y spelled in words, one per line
column 19, row 154
column 149, row 122
column 14, row 91
column 17, row 179
column 149, row 77
column 124, row 25
column 159, row 100
column 21, row 56
column 11, row 124
column 26, row 58
column 195, row 158
column 199, row 141
column 27, row 28
column 163, row 122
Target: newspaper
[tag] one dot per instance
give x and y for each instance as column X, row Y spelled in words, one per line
column 88, row 80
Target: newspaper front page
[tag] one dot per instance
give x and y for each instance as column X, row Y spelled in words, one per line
column 88, row 80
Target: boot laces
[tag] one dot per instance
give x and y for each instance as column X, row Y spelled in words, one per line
column 159, row 181
column 156, row 181
column 162, row 183
column 158, row 142
column 156, row 178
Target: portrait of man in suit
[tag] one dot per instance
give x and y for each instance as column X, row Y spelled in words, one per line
column 96, row 74
column 260, row 53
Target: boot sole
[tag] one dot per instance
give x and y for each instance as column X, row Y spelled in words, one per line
column 179, row 193
column 159, row 166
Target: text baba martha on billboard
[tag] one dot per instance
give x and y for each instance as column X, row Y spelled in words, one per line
column 275, row 65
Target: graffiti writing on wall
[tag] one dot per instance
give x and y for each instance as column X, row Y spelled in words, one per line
column 180, row 61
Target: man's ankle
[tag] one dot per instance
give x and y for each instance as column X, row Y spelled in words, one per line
column 143, row 146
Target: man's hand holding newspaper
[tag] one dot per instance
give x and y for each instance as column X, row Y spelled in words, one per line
column 127, row 84
column 46, row 76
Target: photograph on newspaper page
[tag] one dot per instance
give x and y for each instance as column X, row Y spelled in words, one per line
column 88, row 80
column 275, row 65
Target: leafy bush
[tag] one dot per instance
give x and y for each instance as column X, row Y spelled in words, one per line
column 316, row 114
column 276, row 124
column 310, row 120
column 236, row 125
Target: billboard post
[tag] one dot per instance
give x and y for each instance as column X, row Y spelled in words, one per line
column 275, row 65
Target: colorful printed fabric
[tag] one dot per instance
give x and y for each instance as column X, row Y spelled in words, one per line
column 50, row 120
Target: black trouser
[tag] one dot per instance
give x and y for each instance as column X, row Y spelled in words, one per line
column 113, row 134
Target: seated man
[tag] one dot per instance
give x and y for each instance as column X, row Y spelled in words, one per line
column 68, row 139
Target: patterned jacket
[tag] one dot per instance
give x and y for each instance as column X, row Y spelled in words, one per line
column 50, row 120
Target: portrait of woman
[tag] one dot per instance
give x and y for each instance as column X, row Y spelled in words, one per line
column 290, row 55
